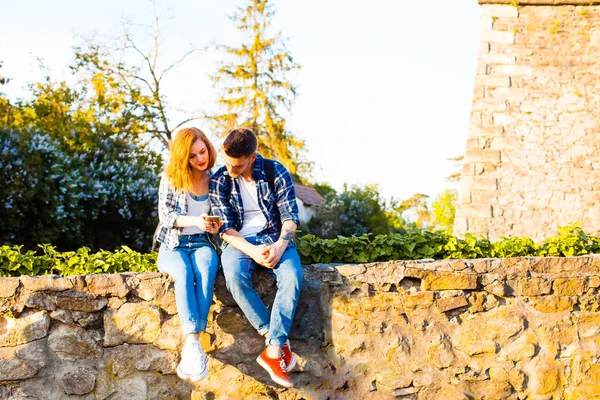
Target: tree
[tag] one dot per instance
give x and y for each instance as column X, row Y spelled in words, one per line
column 130, row 71
column 414, row 210
column 256, row 86
column 3, row 80
column 443, row 210
column 72, row 198
column 76, row 165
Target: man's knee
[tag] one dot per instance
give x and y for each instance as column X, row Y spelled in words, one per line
column 236, row 277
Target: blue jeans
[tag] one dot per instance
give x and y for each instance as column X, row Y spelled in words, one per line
column 239, row 268
column 193, row 266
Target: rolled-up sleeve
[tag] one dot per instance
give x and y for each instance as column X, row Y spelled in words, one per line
column 168, row 211
column 285, row 194
column 218, row 193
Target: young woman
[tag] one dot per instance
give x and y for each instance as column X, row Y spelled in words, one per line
column 187, row 250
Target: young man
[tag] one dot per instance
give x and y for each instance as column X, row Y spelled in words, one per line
column 259, row 213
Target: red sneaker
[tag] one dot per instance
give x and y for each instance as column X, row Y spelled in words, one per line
column 288, row 356
column 276, row 368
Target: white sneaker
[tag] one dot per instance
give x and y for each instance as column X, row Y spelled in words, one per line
column 193, row 362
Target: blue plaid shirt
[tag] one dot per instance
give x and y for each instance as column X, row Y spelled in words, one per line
column 172, row 203
column 226, row 200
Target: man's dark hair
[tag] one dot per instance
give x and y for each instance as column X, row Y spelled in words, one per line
column 240, row 142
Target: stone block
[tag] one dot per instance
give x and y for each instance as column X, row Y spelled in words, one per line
column 132, row 323
column 22, row 362
column 490, row 81
column 149, row 289
column 520, row 352
column 548, row 304
column 494, row 36
column 8, row 287
column 170, row 337
column 588, row 325
column 513, row 70
column 489, row 105
column 483, row 47
column 452, row 303
column 107, row 285
column 464, row 197
column 569, row 286
column 43, row 300
column 79, row 382
column 533, row 286
column 474, row 210
column 479, row 183
column 27, row 328
column 497, row 58
column 437, row 281
column 419, row 300
column 46, row 282
column 499, row 11
column 78, row 301
column 503, row 119
column 74, row 343
column 461, row 224
column 513, row 95
column 126, row 360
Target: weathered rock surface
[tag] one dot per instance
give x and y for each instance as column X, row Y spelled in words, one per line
column 132, row 323
column 72, row 342
column 510, row 329
column 26, row 328
column 532, row 156
column 79, row 381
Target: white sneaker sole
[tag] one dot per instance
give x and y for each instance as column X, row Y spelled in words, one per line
column 274, row 377
column 193, row 378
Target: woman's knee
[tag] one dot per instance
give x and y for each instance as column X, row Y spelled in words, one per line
column 207, row 261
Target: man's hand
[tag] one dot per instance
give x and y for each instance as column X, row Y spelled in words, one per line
column 259, row 254
column 275, row 252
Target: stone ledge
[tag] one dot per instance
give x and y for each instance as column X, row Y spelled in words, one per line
column 422, row 327
column 543, row 2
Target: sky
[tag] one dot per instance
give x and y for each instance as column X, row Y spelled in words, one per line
column 384, row 93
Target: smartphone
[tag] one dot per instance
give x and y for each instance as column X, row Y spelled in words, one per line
column 212, row 218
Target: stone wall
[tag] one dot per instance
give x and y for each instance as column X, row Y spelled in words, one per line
column 491, row 328
column 532, row 161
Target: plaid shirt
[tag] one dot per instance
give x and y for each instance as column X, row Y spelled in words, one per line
column 171, row 205
column 226, row 200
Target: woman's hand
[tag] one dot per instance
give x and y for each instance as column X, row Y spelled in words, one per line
column 208, row 226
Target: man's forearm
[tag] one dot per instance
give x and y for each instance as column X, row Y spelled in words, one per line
column 235, row 239
column 287, row 231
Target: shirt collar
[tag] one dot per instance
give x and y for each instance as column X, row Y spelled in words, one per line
column 258, row 168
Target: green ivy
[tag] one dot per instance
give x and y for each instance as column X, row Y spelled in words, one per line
column 15, row 263
column 412, row 244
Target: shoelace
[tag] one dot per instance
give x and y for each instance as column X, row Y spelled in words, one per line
column 282, row 363
column 196, row 356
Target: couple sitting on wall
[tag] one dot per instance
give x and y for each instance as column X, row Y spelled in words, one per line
column 251, row 202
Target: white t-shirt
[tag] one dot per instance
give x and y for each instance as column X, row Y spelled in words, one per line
column 196, row 208
column 254, row 220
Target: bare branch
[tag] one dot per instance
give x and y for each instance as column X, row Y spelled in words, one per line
column 176, row 63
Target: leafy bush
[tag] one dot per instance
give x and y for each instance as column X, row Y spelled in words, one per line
column 101, row 198
column 14, row 263
column 354, row 211
column 413, row 244
column 416, row 244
